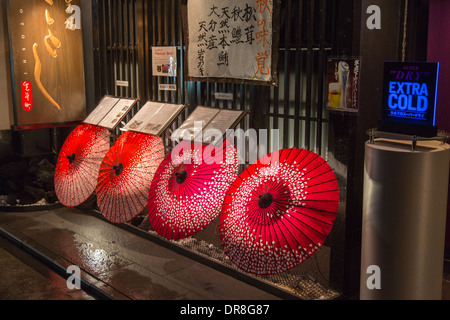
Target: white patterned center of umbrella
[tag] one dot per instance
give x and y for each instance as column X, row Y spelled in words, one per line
column 275, row 247
column 190, row 192
column 278, row 190
column 279, row 211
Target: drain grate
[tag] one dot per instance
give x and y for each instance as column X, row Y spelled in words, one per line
column 305, row 285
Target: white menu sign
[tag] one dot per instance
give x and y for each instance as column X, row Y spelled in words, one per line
column 164, row 61
column 205, row 123
column 117, row 113
column 103, row 107
column 154, row 118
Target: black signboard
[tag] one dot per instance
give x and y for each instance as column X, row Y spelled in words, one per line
column 409, row 98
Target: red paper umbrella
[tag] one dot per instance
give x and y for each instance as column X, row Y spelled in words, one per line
column 189, row 187
column 78, row 163
column 126, row 174
column 279, row 211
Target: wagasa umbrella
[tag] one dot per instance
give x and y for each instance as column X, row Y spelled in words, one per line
column 125, row 175
column 279, row 211
column 189, row 187
column 78, row 163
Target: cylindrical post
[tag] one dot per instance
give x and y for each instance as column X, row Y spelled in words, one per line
column 403, row 224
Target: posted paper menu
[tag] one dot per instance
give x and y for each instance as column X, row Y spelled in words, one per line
column 104, row 106
column 154, row 118
column 206, row 123
column 110, row 111
column 117, row 113
column 201, row 116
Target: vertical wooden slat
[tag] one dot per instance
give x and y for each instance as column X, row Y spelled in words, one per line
column 97, row 53
column 161, row 38
column 211, row 95
column 287, row 70
column 172, row 42
column 106, row 43
column 111, row 46
column 122, row 47
column 321, row 71
column 242, row 99
column 142, row 48
column 234, row 92
column 129, row 46
column 208, row 94
column 309, row 73
column 160, row 42
column 152, row 42
column 118, row 45
column 180, row 57
column 165, row 22
column 133, row 44
column 159, row 18
column 112, row 19
column 180, row 73
column 148, row 43
column 104, row 47
column 298, row 73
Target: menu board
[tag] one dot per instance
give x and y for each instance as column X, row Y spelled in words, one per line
column 207, row 122
column 110, row 111
column 154, row 118
column 104, row 106
column 195, row 123
column 117, row 113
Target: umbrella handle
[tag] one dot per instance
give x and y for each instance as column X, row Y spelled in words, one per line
column 181, row 176
column 71, row 158
column 265, row 200
column 118, row 168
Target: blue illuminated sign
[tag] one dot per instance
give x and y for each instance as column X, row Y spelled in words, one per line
column 409, row 94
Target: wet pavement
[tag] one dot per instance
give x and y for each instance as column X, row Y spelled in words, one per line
column 25, row 278
column 114, row 262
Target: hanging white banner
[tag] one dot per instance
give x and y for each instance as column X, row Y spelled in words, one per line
column 230, row 39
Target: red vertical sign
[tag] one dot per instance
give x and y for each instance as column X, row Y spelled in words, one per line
column 27, row 96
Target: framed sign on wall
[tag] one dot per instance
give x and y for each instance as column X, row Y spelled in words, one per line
column 47, row 61
column 164, row 61
column 232, row 40
column 343, row 75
